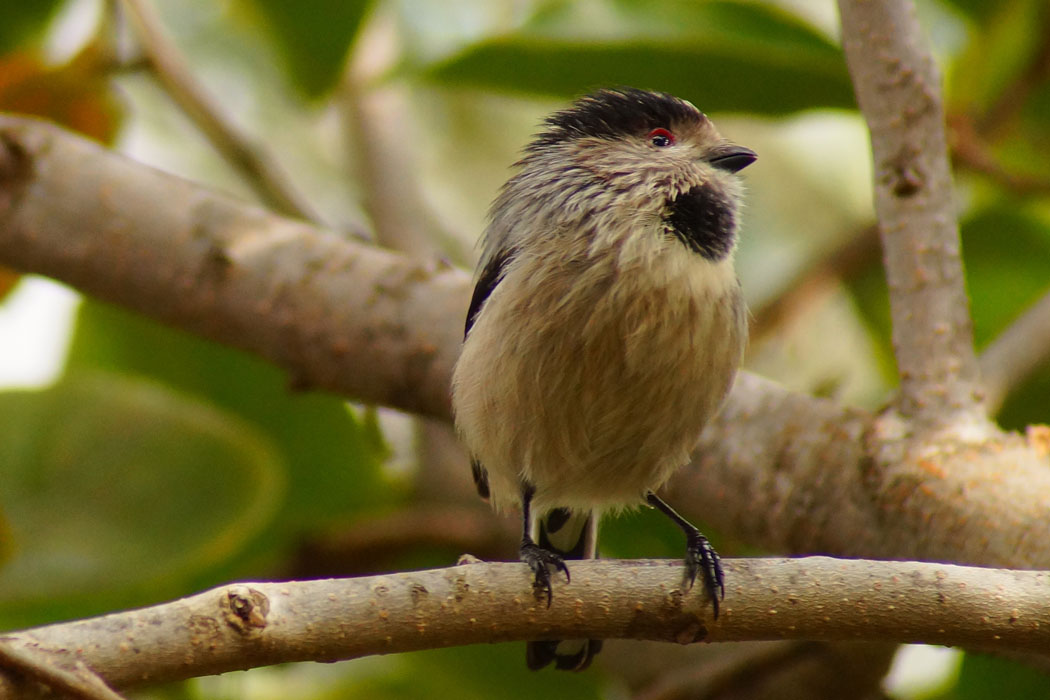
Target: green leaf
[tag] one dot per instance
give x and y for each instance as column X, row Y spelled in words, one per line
column 723, row 56
column 116, row 487
column 333, row 469
column 21, row 20
column 314, row 37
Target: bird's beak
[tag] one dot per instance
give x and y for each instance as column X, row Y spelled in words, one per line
column 731, row 158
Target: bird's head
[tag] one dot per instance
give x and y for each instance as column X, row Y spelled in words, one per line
column 634, row 153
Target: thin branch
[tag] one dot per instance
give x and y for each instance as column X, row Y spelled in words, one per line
column 899, row 92
column 380, row 139
column 1018, row 351
column 844, row 261
column 367, row 544
column 971, row 152
column 46, row 667
column 248, row 156
column 1015, row 93
column 247, row 625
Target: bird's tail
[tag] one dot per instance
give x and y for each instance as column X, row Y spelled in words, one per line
column 573, row 535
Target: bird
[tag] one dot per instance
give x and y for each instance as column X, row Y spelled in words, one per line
column 605, row 328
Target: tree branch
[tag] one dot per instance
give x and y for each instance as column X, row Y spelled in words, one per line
column 898, row 89
column 249, row 158
column 1015, row 93
column 791, row 473
column 309, row 301
column 252, row 624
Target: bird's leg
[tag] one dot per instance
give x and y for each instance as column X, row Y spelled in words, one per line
column 699, row 554
column 538, row 558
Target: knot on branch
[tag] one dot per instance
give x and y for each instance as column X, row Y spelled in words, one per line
column 15, row 167
column 245, row 608
column 904, row 174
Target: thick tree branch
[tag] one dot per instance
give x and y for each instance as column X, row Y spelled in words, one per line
column 802, row 475
column 899, row 92
column 252, row 624
column 341, row 316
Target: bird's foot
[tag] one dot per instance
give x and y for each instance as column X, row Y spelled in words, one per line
column 540, row 561
column 700, row 556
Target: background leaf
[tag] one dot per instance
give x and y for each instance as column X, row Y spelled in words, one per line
column 116, row 489
column 314, row 36
column 711, row 53
column 332, row 469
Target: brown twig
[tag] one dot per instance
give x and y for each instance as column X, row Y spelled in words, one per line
column 248, row 157
column 898, row 89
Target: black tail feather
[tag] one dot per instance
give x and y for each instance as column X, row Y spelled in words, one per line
column 572, row 535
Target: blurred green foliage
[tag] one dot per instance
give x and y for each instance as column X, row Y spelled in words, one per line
column 160, row 463
column 100, row 472
column 24, row 22
column 313, row 36
column 714, row 53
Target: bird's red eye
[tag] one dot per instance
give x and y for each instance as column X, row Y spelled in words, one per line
column 661, row 138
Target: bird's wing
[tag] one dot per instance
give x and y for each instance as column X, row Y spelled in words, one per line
column 490, row 276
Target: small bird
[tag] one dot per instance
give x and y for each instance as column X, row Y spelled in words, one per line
column 605, row 328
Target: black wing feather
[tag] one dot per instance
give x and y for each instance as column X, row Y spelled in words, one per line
column 488, row 279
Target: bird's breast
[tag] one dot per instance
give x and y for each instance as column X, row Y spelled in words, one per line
column 603, row 370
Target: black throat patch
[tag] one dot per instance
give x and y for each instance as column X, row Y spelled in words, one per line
column 704, row 220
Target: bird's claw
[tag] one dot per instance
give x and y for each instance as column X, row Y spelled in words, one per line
column 540, row 560
column 701, row 556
